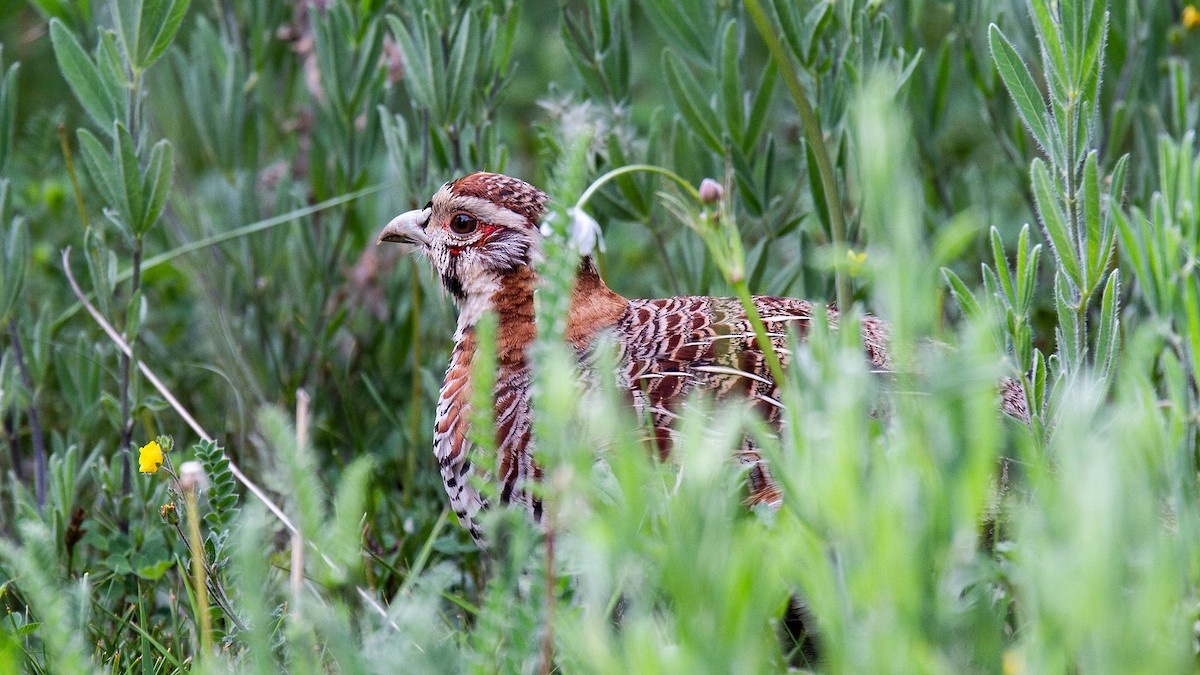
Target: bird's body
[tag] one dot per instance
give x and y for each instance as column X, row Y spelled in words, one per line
column 481, row 233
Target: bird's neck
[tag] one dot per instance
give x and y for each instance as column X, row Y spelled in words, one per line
column 594, row 308
column 510, row 297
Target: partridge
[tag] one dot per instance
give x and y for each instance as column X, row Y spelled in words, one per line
column 481, row 234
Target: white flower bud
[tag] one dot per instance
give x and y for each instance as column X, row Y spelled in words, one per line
column 192, row 477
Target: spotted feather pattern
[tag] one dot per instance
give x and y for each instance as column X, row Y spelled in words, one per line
column 672, row 347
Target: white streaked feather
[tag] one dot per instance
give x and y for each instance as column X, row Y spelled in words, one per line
column 726, row 370
column 768, row 399
column 784, row 317
column 730, row 336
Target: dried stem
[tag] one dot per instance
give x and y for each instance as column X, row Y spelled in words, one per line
column 66, row 151
column 199, row 573
column 204, row 435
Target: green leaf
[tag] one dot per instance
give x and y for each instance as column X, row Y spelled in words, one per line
column 100, row 167
column 8, row 112
column 817, row 21
column 1112, row 209
column 463, row 64
column 82, row 76
column 992, row 285
column 1001, row 263
column 1087, row 73
column 1089, row 196
column 1191, row 304
column 112, row 72
column 731, row 85
column 419, row 70
column 1160, row 236
column 760, row 106
column 102, row 268
column 161, row 30
column 1027, row 279
column 157, row 183
column 906, row 74
column 686, row 92
column 328, row 40
column 1134, row 248
column 1049, row 33
column 130, row 174
column 1069, row 339
column 15, row 257
column 135, row 310
column 1025, row 94
column 1054, row 222
column 966, row 299
column 128, row 14
column 155, row 571
column 1037, row 395
column 688, row 28
column 1108, row 340
column 349, row 505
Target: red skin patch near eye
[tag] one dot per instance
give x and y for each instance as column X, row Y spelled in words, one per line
column 488, row 231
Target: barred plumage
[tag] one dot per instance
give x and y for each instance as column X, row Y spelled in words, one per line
column 481, row 234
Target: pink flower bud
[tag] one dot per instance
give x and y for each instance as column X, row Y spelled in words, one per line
column 711, row 191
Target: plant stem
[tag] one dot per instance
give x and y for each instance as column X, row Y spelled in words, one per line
column 216, row 590
column 816, row 141
column 66, row 151
column 127, row 377
column 760, row 332
column 199, row 581
column 632, row 168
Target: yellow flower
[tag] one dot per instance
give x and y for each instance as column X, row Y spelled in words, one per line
column 150, row 456
column 1012, row 663
column 1191, row 17
column 856, row 261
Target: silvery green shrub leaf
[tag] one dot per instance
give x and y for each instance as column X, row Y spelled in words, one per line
column 156, row 184
column 83, row 76
column 1109, row 339
column 15, row 257
column 1054, row 221
column 1025, row 94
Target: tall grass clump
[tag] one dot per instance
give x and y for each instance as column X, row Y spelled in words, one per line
column 217, row 395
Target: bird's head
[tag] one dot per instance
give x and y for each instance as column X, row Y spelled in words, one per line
column 475, row 230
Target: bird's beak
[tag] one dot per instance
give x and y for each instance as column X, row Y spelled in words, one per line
column 407, row 228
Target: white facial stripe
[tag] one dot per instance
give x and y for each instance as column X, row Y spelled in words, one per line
column 486, row 211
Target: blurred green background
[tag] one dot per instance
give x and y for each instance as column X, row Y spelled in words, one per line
column 294, row 131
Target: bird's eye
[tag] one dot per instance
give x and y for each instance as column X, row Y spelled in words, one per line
column 462, row 223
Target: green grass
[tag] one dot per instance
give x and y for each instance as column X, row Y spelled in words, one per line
column 1014, row 186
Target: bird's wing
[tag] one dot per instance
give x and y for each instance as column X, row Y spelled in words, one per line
column 674, row 346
